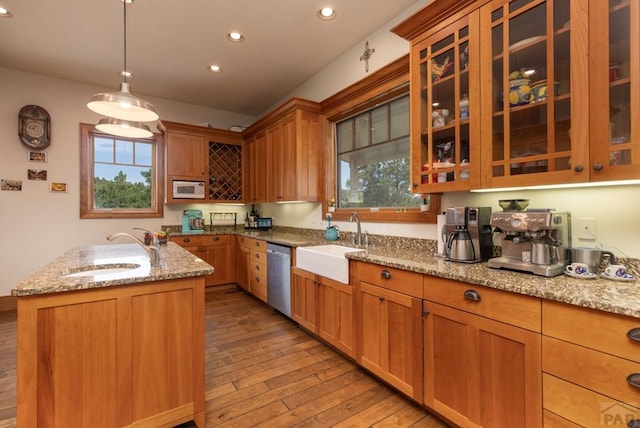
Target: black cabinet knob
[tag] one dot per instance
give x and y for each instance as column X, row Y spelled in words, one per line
column 385, row 274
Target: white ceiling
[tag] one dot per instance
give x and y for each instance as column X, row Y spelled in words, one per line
column 170, row 43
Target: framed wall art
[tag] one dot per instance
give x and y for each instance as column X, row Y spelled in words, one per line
column 37, row 174
column 38, row 156
column 15, row 185
column 59, row 187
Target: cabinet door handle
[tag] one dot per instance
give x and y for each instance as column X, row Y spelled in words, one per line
column 578, row 168
column 472, row 295
column 381, row 298
column 385, row 274
column 186, row 240
column 634, row 380
column 597, row 166
column 257, row 267
column 257, row 243
column 257, row 255
column 257, row 279
column 634, row 334
column 633, row 423
column 216, row 238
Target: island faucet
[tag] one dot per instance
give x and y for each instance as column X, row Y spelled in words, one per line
column 152, row 250
column 352, row 217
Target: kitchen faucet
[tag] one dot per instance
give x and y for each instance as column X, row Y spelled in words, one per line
column 153, row 250
column 354, row 215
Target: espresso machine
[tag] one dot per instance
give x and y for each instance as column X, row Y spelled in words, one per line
column 192, row 221
column 467, row 234
column 533, row 241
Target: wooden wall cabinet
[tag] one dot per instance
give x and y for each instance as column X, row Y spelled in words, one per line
column 553, row 84
column 591, row 366
column 389, row 326
column 324, row 307
column 217, row 250
column 285, row 154
column 482, row 352
column 214, row 156
column 117, row 356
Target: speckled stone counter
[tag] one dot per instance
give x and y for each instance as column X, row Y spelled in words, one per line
column 417, row 255
column 175, row 263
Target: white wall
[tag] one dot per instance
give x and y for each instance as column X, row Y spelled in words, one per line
column 36, row 225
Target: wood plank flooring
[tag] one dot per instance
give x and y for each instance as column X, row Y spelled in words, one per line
column 262, row 370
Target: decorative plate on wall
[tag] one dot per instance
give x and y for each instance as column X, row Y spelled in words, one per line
column 34, row 127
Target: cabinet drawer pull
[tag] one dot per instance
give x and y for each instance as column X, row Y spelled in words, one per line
column 257, row 267
column 472, row 295
column 385, row 274
column 257, row 279
column 634, row 334
column 381, row 298
column 633, row 423
column 257, row 255
column 216, row 238
column 186, row 240
column 634, row 380
column 257, row 243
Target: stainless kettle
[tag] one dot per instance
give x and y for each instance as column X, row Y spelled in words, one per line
column 459, row 246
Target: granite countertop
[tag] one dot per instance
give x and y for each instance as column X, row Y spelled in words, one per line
column 411, row 254
column 175, row 262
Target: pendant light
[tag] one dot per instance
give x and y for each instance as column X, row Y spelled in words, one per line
column 126, row 110
column 124, row 128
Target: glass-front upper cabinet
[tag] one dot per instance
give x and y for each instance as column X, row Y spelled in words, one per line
column 532, row 54
column 615, row 89
column 445, row 113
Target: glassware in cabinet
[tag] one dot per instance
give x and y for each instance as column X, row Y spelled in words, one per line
column 444, row 103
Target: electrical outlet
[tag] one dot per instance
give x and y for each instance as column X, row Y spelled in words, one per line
column 587, row 229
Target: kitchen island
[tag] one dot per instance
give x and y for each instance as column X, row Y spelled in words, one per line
column 107, row 340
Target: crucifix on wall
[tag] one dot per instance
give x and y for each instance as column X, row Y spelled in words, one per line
column 366, row 55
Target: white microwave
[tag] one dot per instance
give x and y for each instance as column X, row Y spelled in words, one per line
column 188, row 189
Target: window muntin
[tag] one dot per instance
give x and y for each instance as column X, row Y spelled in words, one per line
column 120, row 177
column 373, row 166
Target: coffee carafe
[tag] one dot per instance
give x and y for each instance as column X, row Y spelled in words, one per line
column 467, row 234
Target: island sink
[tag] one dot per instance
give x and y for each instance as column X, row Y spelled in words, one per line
column 329, row 261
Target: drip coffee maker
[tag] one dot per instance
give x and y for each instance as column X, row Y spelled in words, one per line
column 467, row 234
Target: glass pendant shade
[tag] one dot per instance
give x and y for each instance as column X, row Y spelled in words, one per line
column 123, row 105
column 124, row 128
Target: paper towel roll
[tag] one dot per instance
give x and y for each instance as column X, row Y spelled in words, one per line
column 441, row 220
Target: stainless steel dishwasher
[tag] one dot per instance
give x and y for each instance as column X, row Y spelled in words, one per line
column 279, row 278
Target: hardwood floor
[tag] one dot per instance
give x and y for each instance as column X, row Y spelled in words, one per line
column 264, row 371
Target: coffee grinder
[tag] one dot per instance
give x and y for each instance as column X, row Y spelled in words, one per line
column 192, row 221
column 533, row 241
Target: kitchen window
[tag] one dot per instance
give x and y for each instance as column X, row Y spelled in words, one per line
column 373, row 158
column 368, row 154
column 120, row 177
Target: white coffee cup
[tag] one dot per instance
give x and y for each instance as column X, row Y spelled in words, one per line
column 578, row 268
column 616, row 270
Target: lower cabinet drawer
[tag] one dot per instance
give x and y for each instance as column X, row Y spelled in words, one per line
column 399, row 280
column 511, row 308
column 583, row 406
column 604, row 373
column 258, row 279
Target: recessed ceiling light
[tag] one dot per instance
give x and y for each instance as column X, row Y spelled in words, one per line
column 5, row 13
column 214, row 68
column 327, row 13
column 235, row 37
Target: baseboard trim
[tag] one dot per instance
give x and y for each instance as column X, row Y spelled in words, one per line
column 8, row 303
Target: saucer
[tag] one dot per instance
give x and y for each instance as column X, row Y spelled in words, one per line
column 626, row 278
column 581, row 276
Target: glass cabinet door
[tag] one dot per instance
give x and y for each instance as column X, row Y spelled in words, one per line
column 445, row 109
column 615, row 92
column 528, row 57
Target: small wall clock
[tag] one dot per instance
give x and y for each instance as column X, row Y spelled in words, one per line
column 34, row 127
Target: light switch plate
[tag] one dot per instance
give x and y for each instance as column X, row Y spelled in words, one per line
column 587, row 229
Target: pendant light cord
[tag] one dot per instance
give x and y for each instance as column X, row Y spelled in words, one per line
column 125, row 72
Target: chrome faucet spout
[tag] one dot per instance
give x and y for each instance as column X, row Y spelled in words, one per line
column 354, row 216
column 152, row 250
